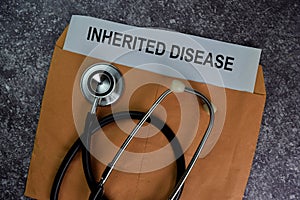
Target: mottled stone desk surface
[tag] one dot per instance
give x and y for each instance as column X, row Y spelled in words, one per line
column 29, row 29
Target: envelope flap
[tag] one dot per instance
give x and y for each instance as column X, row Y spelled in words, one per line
column 260, row 83
column 61, row 40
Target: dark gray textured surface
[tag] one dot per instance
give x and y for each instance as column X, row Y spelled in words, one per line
column 29, row 29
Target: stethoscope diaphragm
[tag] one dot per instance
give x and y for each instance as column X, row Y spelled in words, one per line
column 102, row 81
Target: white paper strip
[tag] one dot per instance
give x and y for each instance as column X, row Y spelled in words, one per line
column 165, row 52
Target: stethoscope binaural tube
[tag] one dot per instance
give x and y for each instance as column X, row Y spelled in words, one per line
column 197, row 153
column 177, row 87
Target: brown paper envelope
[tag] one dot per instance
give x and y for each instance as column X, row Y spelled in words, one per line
column 222, row 174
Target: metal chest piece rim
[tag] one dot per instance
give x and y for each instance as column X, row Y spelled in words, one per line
column 104, row 81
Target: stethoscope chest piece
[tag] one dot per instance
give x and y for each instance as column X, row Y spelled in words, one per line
column 103, row 81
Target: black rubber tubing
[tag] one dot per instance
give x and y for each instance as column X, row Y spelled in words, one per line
column 91, row 126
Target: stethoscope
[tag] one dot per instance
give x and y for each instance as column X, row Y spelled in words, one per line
column 102, row 84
